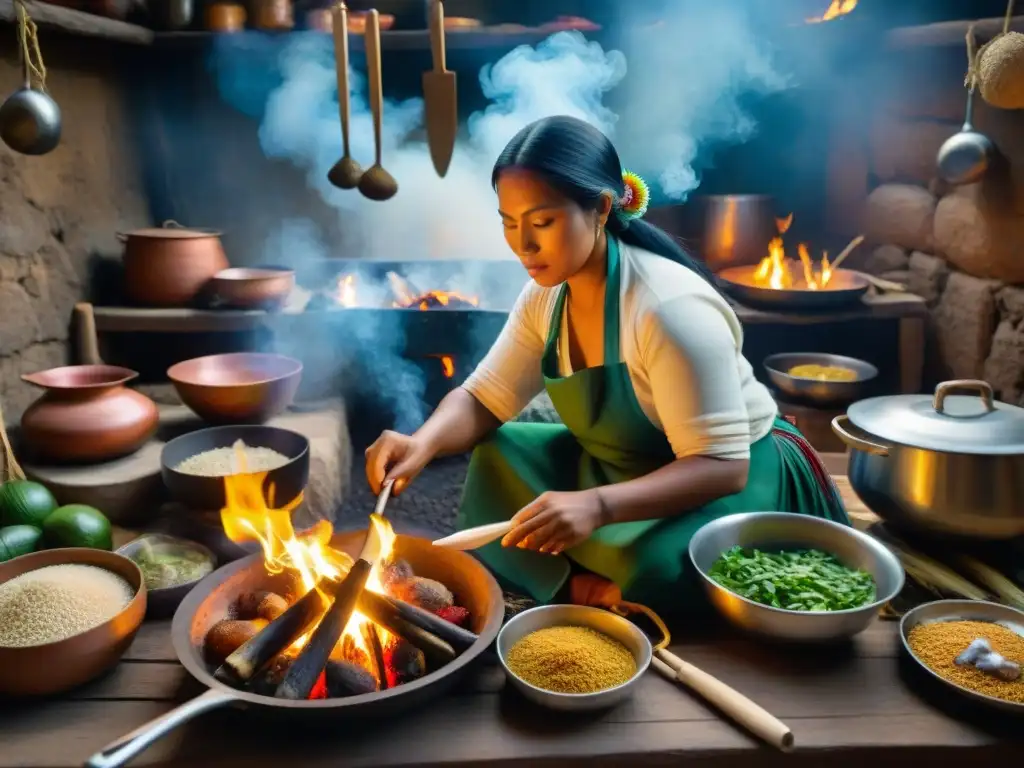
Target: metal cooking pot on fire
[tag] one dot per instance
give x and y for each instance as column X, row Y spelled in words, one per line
column 948, row 464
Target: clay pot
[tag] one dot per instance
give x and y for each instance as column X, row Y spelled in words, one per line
column 253, row 288
column 170, row 266
column 225, row 17
column 87, row 415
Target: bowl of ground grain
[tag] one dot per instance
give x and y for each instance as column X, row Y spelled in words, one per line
column 66, row 617
column 973, row 648
column 195, row 464
column 573, row 657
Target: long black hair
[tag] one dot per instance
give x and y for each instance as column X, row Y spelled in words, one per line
column 579, row 161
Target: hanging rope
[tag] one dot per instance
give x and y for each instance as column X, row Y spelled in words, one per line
column 28, row 41
column 1009, row 16
column 971, row 79
column 11, row 469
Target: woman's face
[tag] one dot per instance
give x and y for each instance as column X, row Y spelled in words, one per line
column 552, row 235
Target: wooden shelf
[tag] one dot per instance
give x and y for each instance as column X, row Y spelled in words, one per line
column 947, row 33
column 78, row 23
column 137, row 320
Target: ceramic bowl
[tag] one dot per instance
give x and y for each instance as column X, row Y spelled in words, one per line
column 50, row 668
column 162, row 601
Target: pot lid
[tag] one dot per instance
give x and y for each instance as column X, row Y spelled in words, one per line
column 172, row 230
column 966, row 423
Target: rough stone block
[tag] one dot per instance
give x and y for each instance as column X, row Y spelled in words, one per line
column 1010, row 300
column 965, row 321
column 900, row 214
column 928, row 275
column 886, row 258
column 1004, row 368
column 901, row 276
column 906, row 150
column 979, row 236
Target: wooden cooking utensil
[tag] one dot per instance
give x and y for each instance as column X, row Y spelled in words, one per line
column 472, row 538
column 346, row 173
column 376, row 183
column 439, row 96
column 730, row 702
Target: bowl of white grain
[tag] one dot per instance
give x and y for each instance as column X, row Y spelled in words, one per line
column 66, row 617
column 195, row 464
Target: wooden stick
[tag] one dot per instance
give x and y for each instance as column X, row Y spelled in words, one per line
column 436, row 651
column 372, row 639
column 302, row 675
column 730, row 702
column 847, row 251
column 472, row 538
column 242, row 665
column 381, row 605
column 86, row 340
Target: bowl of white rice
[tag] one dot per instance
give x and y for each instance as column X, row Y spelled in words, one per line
column 66, row 617
column 195, row 464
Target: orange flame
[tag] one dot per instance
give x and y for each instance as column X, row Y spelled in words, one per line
column 247, row 516
column 774, row 270
column 835, row 9
column 346, row 294
column 346, row 291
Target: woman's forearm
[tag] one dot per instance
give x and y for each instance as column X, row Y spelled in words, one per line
column 682, row 485
column 458, row 424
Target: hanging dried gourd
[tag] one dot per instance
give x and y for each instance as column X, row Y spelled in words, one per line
column 999, row 67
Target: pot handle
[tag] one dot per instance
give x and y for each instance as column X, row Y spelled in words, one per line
column 172, row 224
column 839, row 424
column 124, row 749
column 982, row 388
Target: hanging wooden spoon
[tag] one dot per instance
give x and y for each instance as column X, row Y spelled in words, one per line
column 376, row 183
column 346, row 173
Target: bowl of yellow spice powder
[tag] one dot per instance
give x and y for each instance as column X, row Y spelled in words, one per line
column 573, row 657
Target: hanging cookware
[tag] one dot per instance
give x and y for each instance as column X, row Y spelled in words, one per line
column 967, row 155
column 1000, row 67
column 30, row 120
column 945, row 464
column 440, row 102
column 170, row 266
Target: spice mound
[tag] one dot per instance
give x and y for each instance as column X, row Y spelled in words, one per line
column 805, row 580
column 823, row 372
column 939, row 644
column 571, row 660
column 56, row 602
column 164, row 567
column 238, row 459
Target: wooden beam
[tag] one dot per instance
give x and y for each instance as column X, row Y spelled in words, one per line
column 78, row 23
column 947, row 33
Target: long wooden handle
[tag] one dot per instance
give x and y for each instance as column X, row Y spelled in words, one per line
column 371, row 38
column 436, row 26
column 340, row 28
column 471, row 538
column 86, row 340
column 730, row 702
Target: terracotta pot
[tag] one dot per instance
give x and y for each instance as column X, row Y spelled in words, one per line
column 253, row 288
column 170, row 266
column 273, row 14
column 87, row 414
column 225, row 17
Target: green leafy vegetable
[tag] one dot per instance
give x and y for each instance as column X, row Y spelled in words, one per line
column 806, row 580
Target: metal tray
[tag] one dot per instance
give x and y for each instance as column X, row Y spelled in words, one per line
column 964, row 610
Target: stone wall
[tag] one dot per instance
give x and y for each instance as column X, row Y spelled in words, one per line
column 962, row 249
column 60, row 210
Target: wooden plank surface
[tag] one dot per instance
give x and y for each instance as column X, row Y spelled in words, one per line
column 78, row 23
column 850, row 702
column 949, row 32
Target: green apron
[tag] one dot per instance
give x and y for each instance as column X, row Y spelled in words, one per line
column 606, row 438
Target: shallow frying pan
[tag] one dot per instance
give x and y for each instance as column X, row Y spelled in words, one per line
column 846, row 289
column 208, row 603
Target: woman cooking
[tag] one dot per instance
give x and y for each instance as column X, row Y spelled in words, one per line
column 664, row 425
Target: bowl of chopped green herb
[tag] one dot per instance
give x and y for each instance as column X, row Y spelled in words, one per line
column 794, row 577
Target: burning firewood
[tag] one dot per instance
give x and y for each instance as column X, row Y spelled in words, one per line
column 424, row 593
column 227, row 635
column 347, row 679
column 388, row 612
column 249, row 658
column 372, row 639
column 437, row 651
column 405, row 662
column 261, row 605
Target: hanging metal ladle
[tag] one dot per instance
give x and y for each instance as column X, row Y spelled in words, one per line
column 966, row 156
column 30, row 120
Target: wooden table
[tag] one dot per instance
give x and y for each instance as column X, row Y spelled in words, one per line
column 849, row 707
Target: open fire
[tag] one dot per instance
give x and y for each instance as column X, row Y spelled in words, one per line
column 347, row 626
column 835, row 10
column 778, row 272
column 400, row 294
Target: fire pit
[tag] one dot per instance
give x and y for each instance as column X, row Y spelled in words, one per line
column 778, row 282
column 404, row 656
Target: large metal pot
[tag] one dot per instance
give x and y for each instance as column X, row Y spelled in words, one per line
column 950, row 464
column 170, row 266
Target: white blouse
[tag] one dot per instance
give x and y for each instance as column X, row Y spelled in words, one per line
column 681, row 342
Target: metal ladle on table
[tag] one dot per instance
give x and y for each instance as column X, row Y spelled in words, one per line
column 346, row 173
column 30, row 121
column 965, row 157
column 376, row 183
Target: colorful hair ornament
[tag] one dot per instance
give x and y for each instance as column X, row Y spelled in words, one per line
column 633, row 204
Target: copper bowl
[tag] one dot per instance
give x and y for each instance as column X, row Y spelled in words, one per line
column 237, row 388
column 253, row 288
column 41, row 670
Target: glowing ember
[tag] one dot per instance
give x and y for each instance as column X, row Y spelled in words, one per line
column 447, row 365
column 836, row 9
column 309, row 556
column 346, row 292
column 403, row 296
column 778, row 272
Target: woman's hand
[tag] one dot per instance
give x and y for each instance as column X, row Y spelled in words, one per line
column 557, row 521
column 398, row 457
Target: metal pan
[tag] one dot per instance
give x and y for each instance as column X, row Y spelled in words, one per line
column 846, row 289
column 963, row 610
column 813, row 391
column 209, row 602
